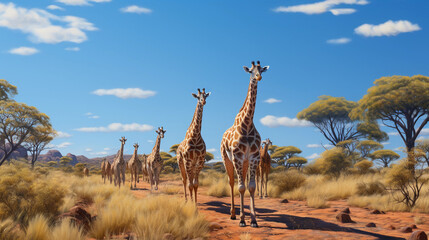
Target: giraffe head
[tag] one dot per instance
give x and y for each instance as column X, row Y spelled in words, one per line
column 256, row 70
column 123, row 140
column 136, row 145
column 267, row 142
column 201, row 96
column 161, row 132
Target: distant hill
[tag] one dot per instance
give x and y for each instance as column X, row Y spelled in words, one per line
column 55, row 155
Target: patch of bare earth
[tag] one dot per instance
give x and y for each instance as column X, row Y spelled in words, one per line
column 294, row 220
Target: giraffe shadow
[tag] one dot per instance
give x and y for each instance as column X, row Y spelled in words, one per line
column 225, row 208
column 139, row 189
column 294, row 223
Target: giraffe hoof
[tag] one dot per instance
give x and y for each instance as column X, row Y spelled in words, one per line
column 260, row 197
column 233, row 218
column 242, row 223
column 254, row 224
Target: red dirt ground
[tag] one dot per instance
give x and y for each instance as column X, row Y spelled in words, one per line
column 294, row 220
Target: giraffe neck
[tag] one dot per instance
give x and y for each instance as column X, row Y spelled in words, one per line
column 195, row 127
column 245, row 116
column 134, row 154
column 121, row 153
column 265, row 149
column 157, row 145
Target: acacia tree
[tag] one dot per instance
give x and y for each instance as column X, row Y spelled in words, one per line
column 17, row 122
column 282, row 154
column 331, row 116
column 38, row 140
column 401, row 103
column 365, row 147
column 296, row 161
column 7, row 90
column 385, row 156
column 422, row 150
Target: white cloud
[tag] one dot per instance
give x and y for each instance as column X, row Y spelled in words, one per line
column 150, row 141
column 81, row 2
column 385, row 143
column 118, row 127
column 273, row 121
column 74, row 49
column 211, row 150
column 136, row 9
column 55, row 7
column 314, row 145
column 125, row 92
column 99, row 153
column 389, row 28
column 393, row 133
column 94, row 117
column 88, row 149
column 272, row 100
column 399, row 149
column 106, row 149
column 37, row 23
column 425, row 131
column 63, row 145
column 339, row 41
column 322, row 7
column 342, row 11
column 25, row 51
column 313, row 156
column 62, row 135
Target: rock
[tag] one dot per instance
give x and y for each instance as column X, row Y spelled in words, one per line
column 168, row 236
column 418, row 235
column 78, row 216
column 346, row 210
column 214, row 226
column 371, row 224
column 334, row 210
column 391, row 227
column 51, row 155
column 344, row 218
column 382, row 212
column 406, row 230
column 73, row 157
column 284, row 201
column 413, row 226
column 20, row 152
column 375, row 211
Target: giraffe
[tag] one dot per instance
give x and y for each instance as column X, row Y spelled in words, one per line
column 86, row 172
column 240, row 147
column 264, row 167
column 134, row 165
column 119, row 165
column 192, row 150
column 145, row 176
column 154, row 162
column 106, row 171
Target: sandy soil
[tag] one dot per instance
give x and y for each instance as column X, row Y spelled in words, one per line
column 294, row 220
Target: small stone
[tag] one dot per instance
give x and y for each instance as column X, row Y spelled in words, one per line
column 214, row 226
column 284, row 201
column 168, row 236
column 391, row 227
column 344, row 218
column 413, row 226
column 418, row 235
column 375, row 211
column 406, row 230
column 382, row 212
column 346, row 210
column 371, row 224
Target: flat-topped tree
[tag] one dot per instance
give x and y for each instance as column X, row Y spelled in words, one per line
column 401, row 103
column 38, row 140
column 422, row 150
column 365, row 147
column 385, row 156
column 331, row 116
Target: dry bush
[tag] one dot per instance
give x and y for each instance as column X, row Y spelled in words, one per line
column 150, row 218
column 67, row 231
column 333, row 162
column 370, row 188
column 38, row 229
column 316, row 201
column 380, row 202
column 9, row 230
column 285, row 181
column 364, row 166
column 312, row 169
column 172, row 190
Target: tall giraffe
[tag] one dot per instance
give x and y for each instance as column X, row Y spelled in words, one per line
column 134, row 165
column 106, row 170
column 119, row 165
column 240, row 147
column 192, row 150
column 145, row 174
column 154, row 161
column 264, row 167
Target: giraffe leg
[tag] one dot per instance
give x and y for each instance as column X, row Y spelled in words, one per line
column 241, row 173
column 200, row 165
column 183, row 173
column 230, row 171
column 254, row 162
column 131, row 181
column 266, row 184
column 261, row 184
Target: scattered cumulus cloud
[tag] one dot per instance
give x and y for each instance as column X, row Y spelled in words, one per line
column 389, row 28
column 273, row 121
column 61, row 145
column 55, row 7
column 385, row 143
column 313, row 156
column 339, row 41
column 136, row 9
column 88, row 149
column 24, row 51
column 425, row 131
column 102, row 153
column 62, row 135
column 211, row 150
column 73, row 49
column 272, row 100
column 81, row 2
column 125, row 93
column 314, row 145
column 92, row 115
column 323, row 7
column 393, row 133
column 44, row 27
column 118, row 127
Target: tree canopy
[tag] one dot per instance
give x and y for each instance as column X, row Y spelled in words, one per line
column 422, row 150
column 385, row 156
column 173, row 149
column 38, row 140
column 365, row 147
column 296, row 161
column 7, row 90
column 401, row 103
column 282, row 154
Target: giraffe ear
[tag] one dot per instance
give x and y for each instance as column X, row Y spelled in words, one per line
column 208, row 94
column 246, row 69
column 264, row 69
column 195, row 95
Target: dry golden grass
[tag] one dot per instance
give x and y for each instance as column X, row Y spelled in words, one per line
column 38, row 229
column 9, row 230
column 67, row 231
column 317, row 202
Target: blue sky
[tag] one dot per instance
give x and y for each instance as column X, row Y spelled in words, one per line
column 60, row 53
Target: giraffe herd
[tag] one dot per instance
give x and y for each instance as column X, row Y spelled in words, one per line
column 240, row 149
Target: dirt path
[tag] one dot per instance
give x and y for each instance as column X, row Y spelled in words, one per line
column 294, row 220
